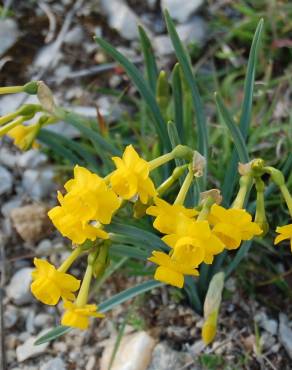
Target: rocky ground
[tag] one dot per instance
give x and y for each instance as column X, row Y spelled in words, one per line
column 53, row 41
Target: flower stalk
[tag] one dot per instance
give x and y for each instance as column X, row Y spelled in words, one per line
column 180, row 199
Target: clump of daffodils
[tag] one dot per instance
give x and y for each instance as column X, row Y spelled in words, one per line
column 192, row 235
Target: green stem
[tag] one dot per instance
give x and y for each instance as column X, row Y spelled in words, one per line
column 260, row 216
column 157, row 162
column 245, row 184
column 82, row 297
column 203, row 215
column 8, row 117
column 184, row 189
column 11, row 89
column 287, row 196
column 69, row 260
column 177, row 173
column 18, row 121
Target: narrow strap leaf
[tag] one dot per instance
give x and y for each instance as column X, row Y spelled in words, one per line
column 178, row 102
column 249, row 81
column 149, row 59
column 187, row 70
column 80, row 124
column 128, row 294
column 104, row 307
column 142, row 87
column 59, row 148
column 72, row 145
column 230, row 179
column 234, row 130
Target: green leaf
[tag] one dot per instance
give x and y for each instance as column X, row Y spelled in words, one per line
column 142, row 87
column 128, row 294
column 71, row 144
column 240, row 254
column 81, row 125
column 234, row 130
column 230, row 179
column 128, row 251
column 53, row 334
column 104, row 307
column 249, row 81
column 149, row 59
column 134, row 235
column 178, row 102
column 174, row 139
column 58, row 148
column 187, row 70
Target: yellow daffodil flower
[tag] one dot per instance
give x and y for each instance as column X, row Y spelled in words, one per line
column 88, row 204
column 49, row 284
column 24, row 136
column 168, row 216
column 232, row 226
column 200, row 233
column 285, row 232
column 97, row 201
column 78, row 317
column 171, row 271
column 131, row 178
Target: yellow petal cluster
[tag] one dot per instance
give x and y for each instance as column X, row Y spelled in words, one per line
column 24, row 136
column 285, row 232
column 232, row 226
column 88, row 204
column 78, row 317
column 49, row 285
column 191, row 241
column 131, row 178
column 171, row 270
column 168, row 216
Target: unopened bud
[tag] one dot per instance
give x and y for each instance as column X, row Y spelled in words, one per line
column 46, row 98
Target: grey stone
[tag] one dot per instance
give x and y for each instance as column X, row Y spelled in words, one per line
column 44, row 247
column 10, row 205
column 43, row 320
column 181, row 10
column 7, row 158
column 193, row 32
column 269, row 325
column 31, row 159
column 121, row 18
column 54, row 364
column 10, row 316
column 8, row 34
column 267, row 341
column 285, row 334
column 165, row 358
column 38, row 183
column 29, row 322
column 28, row 349
column 6, row 181
column 18, row 289
column 75, row 36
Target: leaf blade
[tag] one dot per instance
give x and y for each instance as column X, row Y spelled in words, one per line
column 142, row 87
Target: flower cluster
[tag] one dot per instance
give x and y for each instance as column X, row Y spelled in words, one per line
column 87, row 207
column 193, row 239
column 192, row 236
